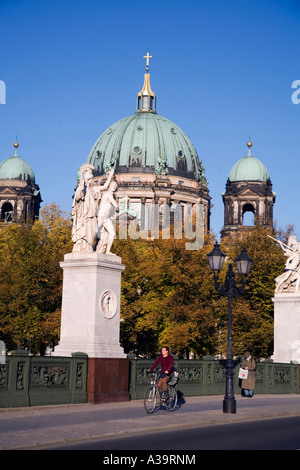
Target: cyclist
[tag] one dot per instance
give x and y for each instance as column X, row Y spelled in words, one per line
column 166, row 360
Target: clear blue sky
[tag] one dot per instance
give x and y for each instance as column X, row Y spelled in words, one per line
column 221, row 70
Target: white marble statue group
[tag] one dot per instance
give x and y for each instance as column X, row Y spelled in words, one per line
column 93, row 228
column 289, row 281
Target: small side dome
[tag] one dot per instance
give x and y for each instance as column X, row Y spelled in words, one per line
column 16, row 168
column 249, row 168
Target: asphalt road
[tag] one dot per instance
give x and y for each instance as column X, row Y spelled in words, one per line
column 267, row 434
column 111, row 424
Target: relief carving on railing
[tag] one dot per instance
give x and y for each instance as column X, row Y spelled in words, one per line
column 209, row 374
column 50, row 375
column 269, row 371
column 79, row 376
column 219, row 373
column 142, row 377
column 295, row 375
column 20, row 376
column 191, row 374
column 4, row 374
column 260, row 375
column 282, row 376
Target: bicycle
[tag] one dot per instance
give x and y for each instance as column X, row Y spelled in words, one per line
column 152, row 398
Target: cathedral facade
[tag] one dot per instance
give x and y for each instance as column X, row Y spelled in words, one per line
column 155, row 166
column 155, row 163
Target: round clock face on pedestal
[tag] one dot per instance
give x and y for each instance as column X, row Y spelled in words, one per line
column 108, row 304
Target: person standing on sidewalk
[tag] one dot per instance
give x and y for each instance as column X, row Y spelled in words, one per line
column 166, row 360
column 248, row 384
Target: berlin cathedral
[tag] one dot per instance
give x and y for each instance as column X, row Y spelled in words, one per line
column 154, row 163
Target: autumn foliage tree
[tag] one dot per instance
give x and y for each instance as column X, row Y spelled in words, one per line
column 168, row 296
column 31, row 279
column 253, row 313
column 167, row 291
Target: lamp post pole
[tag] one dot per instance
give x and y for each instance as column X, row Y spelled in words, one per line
column 230, row 290
column 229, row 402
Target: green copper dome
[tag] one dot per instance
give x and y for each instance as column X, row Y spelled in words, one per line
column 249, row 168
column 16, row 168
column 146, row 142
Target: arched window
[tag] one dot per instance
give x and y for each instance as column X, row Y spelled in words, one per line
column 248, row 215
column 7, row 212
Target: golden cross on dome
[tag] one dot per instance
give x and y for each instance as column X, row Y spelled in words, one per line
column 147, row 57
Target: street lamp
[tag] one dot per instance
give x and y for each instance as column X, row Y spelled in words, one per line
column 230, row 290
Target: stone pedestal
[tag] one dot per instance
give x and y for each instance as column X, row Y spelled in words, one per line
column 286, row 327
column 108, row 380
column 90, row 321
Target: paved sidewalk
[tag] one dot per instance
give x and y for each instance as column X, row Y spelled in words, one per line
column 27, row 428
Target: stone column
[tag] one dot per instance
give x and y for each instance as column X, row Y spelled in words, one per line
column 286, row 327
column 90, row 321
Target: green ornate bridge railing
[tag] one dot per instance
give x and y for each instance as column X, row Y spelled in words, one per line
column 207, row 377
column 33, row 380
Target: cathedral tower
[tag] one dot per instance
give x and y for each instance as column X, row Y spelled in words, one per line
column 248, row 193
column 20, row 196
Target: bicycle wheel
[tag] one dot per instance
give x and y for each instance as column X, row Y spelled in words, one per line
column 172, row 400
column 151, row 399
